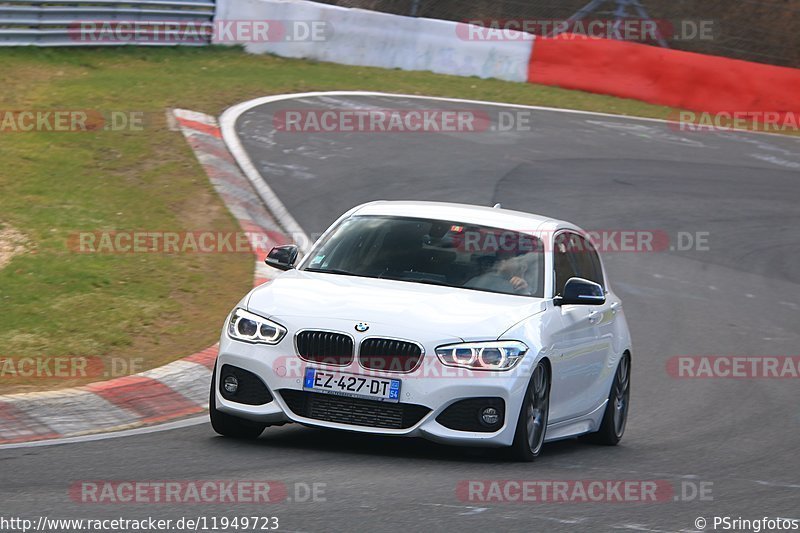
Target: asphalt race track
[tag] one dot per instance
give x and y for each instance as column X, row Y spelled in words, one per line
column 739, row 297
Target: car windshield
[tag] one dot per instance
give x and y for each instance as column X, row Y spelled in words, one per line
column 437, row 252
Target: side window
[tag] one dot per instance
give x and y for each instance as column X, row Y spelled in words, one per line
column 598, row 268
column 587, row 260
column 564, row 263
column 575, row 257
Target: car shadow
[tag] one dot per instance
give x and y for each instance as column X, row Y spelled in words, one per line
column 324, row 441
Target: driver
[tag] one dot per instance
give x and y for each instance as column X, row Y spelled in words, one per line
column 507, row 276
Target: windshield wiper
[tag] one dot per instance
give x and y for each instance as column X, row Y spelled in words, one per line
column 331, row 271
column 422, row 280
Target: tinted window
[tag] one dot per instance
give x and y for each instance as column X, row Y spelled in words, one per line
column 596, row 273
column 587, row 259
column 563, row 262
column 574, row 256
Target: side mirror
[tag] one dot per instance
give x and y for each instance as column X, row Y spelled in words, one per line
column 282, row 257
column 579, row 291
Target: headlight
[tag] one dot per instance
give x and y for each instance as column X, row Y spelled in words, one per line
column 496, row 355
column 247, row 327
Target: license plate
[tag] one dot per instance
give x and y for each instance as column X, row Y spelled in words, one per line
column 353, row 385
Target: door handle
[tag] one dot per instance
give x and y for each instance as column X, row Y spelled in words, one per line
column 615, row 307
column 593, row 316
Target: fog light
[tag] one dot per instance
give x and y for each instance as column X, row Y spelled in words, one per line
column 231, row 384
column 489, row 416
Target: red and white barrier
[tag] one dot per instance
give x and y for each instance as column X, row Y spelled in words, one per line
column 625, row 69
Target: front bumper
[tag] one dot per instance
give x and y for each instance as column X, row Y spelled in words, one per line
column 432, row 386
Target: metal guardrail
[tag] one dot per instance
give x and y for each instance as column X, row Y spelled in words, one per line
column 105, row 22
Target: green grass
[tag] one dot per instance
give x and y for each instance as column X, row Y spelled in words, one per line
column 158, row 307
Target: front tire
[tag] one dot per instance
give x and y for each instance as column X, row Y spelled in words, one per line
column 532, row 421
column 615, row 417
column 229, row 425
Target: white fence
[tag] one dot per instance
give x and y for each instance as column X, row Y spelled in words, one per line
column 369, row 38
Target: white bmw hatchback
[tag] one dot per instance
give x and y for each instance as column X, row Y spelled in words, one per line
column 460, row 324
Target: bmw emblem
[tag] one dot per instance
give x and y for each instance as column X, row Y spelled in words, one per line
column 361, row 327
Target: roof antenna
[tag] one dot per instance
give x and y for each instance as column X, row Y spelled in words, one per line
column 497, row 206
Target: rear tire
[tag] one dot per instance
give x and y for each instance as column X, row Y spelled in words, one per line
column 229, row 425
column 615, row 417
column 532, row 421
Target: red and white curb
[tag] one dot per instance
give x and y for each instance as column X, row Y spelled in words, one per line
column 170, row 392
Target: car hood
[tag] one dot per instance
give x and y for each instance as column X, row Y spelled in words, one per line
column 312, row 299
